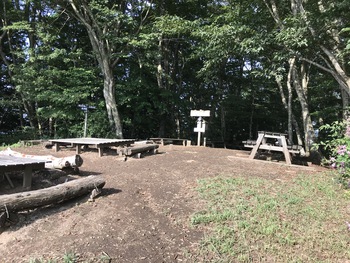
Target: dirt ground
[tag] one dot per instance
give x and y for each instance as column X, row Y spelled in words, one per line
column 143, row 213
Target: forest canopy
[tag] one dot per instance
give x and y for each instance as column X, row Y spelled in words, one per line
column 142, row 66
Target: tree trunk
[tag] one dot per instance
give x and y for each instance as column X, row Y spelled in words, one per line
column 103, row 51
column 300, row 85
column 289, row 102
column 111, row 105
column 51, row 195
column 294, row 122
column 345, row 101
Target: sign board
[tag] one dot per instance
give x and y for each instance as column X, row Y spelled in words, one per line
column 200, row 113
column 200, row 129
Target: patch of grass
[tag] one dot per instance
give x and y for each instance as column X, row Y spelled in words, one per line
column 254, row 219
column 69, row 257
column 14, row 145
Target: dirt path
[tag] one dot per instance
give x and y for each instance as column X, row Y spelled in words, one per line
column 143, row 214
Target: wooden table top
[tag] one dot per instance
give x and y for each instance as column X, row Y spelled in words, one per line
column 17, row 161
column 95, row 141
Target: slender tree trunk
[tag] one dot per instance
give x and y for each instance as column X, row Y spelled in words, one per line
column 160, row 82
column 289, row 103
column 345, row 100
column 300, row 85
column 294, row 122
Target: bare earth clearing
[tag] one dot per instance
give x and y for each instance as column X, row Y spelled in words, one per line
column 143, row 213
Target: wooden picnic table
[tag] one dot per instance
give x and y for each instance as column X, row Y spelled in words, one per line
column 11, row 164
column 280, row 145
column 99, row 143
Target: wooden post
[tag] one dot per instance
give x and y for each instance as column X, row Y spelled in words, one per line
column 199, row 139
column 56, row 147
column 100, row 151
column 27, row 178
column 78, row 148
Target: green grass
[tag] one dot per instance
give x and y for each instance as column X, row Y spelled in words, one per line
column 71, row 257
column 5, row 146
column 262, row 220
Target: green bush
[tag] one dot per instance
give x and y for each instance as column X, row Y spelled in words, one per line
column 337, row 143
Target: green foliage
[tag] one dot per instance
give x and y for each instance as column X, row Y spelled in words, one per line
column 338, row 145
column 206, row 54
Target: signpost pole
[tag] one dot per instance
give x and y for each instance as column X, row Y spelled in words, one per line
column 200, row 122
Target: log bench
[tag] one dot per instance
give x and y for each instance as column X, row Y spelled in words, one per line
column 139, row 149
column 164, row 141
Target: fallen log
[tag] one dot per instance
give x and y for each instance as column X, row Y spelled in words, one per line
column 51, row 162
column 52, row 195
column 141, row 149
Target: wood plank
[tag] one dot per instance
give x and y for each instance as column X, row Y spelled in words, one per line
column 162, row 141
column 99, row 143
column 256, row 147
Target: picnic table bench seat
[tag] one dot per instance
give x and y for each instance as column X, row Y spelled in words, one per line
column 297, row 149
column 164, row 141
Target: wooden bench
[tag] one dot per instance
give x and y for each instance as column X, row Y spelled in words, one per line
column 139, row 149
column 164, row 141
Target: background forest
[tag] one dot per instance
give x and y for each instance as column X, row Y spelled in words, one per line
column 141, row 66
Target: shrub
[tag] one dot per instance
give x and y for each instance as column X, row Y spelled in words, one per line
column 337, row 143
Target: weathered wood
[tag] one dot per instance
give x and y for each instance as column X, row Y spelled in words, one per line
column 164, row 141
column 12, row 163
column 51, row 162
column 52, row 195
column 141, row 149
column 99, row 143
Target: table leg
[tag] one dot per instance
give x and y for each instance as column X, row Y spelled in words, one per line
column 27, row 177
column 285, row 150
column 100, row 151
column 7, row 178
column 256, row 147
column 56, row 147
column 78, row 148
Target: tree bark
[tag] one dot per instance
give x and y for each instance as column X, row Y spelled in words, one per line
column 51, row 195
column 300, row 85
column 103, row 51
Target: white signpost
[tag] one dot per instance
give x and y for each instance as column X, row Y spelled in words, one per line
column 200, row 122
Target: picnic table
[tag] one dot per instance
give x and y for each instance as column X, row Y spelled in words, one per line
column 99, row 143
column 11, row 164
column 279, row 144
column 164, row 141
